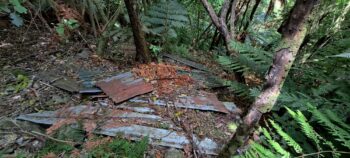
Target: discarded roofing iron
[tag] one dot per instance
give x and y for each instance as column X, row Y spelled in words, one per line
column 113, row 127
column 61, row 82
column 186, row 62
column 205, row 101
column 162, row 137
column 83, row 112
column 207, row 79
column 88, row 83
column 124, row 86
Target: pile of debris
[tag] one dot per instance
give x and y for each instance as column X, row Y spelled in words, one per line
column 158, row 101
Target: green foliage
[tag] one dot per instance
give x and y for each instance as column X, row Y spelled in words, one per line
column 240, row 89
column 340, row 134
column 55, row 147
column 162, row 18
column 14, row 8
column 121, row 148
column 181, row 50
column 290, row 141
column 21, row 82
column 250, row 59
column 275, row 146
column 65, row 26
column 155, row 50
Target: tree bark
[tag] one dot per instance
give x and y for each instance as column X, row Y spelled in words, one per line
column 256, row 5
column 293, row 32
column 142, row 52
column 220, row 22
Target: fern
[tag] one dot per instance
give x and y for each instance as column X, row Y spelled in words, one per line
column 162, row 18
column 332, row 116
column 250, row 59
column 275, row 145
column 340, row 134
column 290, row 141
column 273, row 148
column 305, row 126
column 257, row 150
column 238, row 88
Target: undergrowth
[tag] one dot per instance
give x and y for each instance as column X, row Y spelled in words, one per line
column 114, row 149
column 121, row 148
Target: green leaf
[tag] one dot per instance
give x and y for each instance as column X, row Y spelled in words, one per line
column 343, row 55
column 18, row 6
column 60, row 29
column 4, row 8
column 16, row 19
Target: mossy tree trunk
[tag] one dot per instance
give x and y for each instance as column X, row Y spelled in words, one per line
column 293, row 32
column 142, row 52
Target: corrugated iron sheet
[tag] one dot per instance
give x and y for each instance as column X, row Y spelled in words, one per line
column 124, row 86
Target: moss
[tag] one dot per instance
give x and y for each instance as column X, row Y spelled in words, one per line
column 55, row 147
column 121, row 148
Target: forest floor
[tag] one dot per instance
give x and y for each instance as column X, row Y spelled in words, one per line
column 32, row 61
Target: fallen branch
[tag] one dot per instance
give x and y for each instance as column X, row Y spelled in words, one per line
column 52, row 138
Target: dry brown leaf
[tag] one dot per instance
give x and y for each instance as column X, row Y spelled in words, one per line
column 50, row 155
column 91, row 144
column 166, row 76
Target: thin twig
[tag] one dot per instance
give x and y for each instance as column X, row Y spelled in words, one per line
column 54, row 139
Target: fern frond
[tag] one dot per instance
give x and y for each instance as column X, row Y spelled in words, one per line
column 290, row 141
column 306, row 127
column 262, row 151
column 275, row 145
column 332, row 116
column 238, row 88
column 340, row 134
column 250, row 59
column 163, row 17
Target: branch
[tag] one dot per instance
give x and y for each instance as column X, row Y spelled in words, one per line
column 224, row 9
column 233, row 18
column 211, row 13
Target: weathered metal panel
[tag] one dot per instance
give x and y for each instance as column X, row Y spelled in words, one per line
column 186, row 62
column 124, row 86
column 205, row 101
column 61, row 82
column 162, row 137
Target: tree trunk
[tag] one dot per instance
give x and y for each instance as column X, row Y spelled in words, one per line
column 220, row 22
column 142, row 52
column 293, row 32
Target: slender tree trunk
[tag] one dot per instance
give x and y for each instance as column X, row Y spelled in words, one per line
column 256, row 5
column 220, row 21
column 142, row 52
column 293, row 32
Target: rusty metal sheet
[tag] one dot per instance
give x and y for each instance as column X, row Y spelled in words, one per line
column 204, row 101
column 162, row 137
column 124, row 86
column 186, row 62
column 60, row 81
column 82, row 111
column 207, row 79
